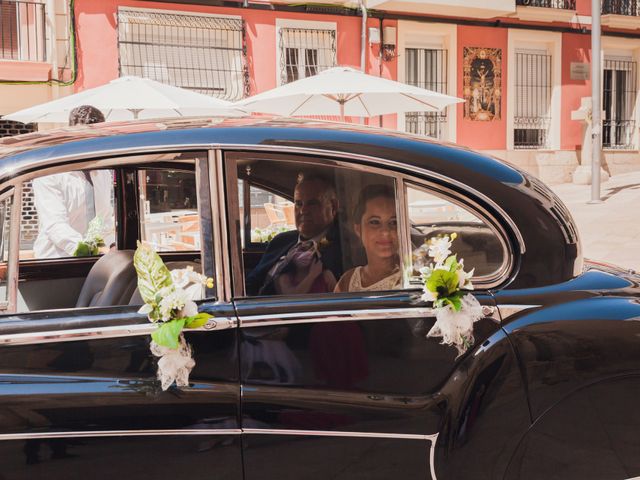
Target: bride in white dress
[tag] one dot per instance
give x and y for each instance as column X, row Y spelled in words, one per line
column 376, row 225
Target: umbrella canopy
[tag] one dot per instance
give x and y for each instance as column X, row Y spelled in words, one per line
column 129, row 98
column 346, row 91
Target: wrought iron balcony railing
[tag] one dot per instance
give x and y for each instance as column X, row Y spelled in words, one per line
column 561, row 4
column 22, row 30
column 621, row 7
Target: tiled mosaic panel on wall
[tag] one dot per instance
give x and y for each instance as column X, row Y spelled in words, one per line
column 29, row 226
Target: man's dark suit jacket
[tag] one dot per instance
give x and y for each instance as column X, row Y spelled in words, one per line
column 331, row 257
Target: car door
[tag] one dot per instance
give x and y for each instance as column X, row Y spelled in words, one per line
column 78, row 387
column 347, row 385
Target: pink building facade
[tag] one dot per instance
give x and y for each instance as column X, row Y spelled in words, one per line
column 522, row 66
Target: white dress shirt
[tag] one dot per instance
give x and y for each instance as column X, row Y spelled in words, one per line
column 66, row 203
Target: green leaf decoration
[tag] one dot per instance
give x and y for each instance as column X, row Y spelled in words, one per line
column 197, row 320
column 442, row 282
column 451, row 263
column 167, row 333
column 82, row 250
column 153, row 274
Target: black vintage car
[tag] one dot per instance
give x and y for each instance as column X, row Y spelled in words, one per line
column 311, row 386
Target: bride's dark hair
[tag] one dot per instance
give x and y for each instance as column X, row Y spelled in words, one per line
column 369, row 193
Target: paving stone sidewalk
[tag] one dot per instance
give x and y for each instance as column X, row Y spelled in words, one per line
column 609, row 231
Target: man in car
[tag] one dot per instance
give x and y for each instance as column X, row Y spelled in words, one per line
column 314, row 245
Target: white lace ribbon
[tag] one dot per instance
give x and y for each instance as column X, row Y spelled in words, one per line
column 174, row 365
column 456, row 328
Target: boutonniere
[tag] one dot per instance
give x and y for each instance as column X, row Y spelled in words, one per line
column 447, row 285
column 324, row 243
column 169, row 302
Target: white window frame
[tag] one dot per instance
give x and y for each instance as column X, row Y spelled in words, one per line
column 537, row 40
column 302, row 24
column 624, row 47
column 440, row 37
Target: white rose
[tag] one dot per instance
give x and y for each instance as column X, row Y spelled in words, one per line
column 190, row 309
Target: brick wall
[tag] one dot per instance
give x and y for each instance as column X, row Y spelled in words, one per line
column 29, row 224
column 9, row 128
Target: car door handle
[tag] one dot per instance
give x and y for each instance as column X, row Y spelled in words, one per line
column 218, row 323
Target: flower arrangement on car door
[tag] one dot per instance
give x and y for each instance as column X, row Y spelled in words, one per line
column 169, row 302
column 447, row 285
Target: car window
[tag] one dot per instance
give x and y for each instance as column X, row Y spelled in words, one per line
column 266, row 214
column 432, row 215
column 68, row 214
column 322, row 228
column 169, row 209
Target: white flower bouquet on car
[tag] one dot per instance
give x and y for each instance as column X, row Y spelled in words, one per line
column 169, row 302
column 447, row 285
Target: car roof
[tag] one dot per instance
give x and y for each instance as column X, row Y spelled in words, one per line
column 539, row 216
column 17, row 153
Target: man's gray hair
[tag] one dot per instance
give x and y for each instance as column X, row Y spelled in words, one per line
column 85, row 115
column 327, row 183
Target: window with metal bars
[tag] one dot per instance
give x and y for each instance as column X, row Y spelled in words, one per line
column 426, row 68
column 203, row 53
column 532, row 91
column 621, row 7
column 305, row 52
column 619, row 85
column 22, row 30
column 562, row 4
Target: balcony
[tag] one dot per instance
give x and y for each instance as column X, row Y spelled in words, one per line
column 545, row 10
column 453, row 8
column 621, row 13
column 22, row 31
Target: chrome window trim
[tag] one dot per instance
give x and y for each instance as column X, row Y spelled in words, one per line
column 8, row 305
column 205, row 211
column 402, row 213
column 403, row 180
column 370, row 161
column 215, row 219
column 96, row 333
column 118, row 433
column 221, row 232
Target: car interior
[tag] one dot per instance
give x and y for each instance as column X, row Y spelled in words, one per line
column 476, row 242
column 144, row 208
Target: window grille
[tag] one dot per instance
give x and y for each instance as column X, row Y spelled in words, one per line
column 305, row 52
column 426, row 68
column 532, row 99
column 562, row 4
column 198, row 52
column 621, row 7
column 22, row 30
column 618, row 99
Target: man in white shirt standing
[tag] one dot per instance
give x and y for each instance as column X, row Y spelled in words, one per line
column 67, row 202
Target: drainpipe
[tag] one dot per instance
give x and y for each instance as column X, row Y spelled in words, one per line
column 380, row 56
column 596, row 103
column 363, row 39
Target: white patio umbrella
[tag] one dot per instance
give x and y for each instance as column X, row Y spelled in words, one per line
column 346, row 91
column 128, row 98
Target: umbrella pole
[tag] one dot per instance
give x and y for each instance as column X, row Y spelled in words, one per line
column 342, row 111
